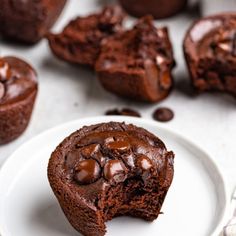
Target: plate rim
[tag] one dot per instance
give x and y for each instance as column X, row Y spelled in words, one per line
column 100, row 119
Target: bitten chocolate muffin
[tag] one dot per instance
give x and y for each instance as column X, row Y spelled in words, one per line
column 210, row 51
column 157, row 8
column 18, row 89
column 137, row 63
column 80, row 40
column 108, row 170
column 28, row 20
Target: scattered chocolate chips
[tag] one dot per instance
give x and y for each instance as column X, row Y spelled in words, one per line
column 115, row 171
column 123, row 112
column 2, row 90
column 87, row 171
column 163, row 114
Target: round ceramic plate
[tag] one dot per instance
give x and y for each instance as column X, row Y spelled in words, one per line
column 196, row 204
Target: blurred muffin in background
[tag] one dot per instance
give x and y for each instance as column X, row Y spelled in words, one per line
column 157, row 8
column 28, row 21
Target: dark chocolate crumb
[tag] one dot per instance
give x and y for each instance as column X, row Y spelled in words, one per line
column 123, row 112
column 163, row 114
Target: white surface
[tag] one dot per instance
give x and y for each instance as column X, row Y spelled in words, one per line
column 195, row 204
column 216, row 6
column 68, row 93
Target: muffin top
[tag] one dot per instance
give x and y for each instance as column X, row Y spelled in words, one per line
column 213, row 37
column 17, row 80
column 107, row 154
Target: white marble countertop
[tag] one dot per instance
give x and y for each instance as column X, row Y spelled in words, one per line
column 67, row 93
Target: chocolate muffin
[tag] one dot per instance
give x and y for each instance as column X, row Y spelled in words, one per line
column 137, row 63
column 28, row 20
column 18, row 89
column 157, row 8
column 210, row 51
column 80, row 40
column 108, row 170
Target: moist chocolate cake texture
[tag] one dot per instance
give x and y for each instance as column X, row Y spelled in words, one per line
column 81, row 39
column 210, row 51
column 18, row 89
column 108, row 170
column 28, row 20
column 137, row 63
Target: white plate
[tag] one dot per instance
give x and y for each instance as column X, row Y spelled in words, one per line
column 196, row 204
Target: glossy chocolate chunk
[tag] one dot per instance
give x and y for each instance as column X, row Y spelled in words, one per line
column 163, row 114
column 129, row 160
column 87, row 171
column 115, row 171
column 144, row 162
column 90, row 150
column 118, row 146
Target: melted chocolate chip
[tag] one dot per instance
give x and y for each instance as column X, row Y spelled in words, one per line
column 144, row 162
column 163, row 114
column 129, row 160
column 2, row 90
column 115, row 171
column 123, row 112
column 87, row 171
column 119, row 146
column 5, row 72
column 90, row 150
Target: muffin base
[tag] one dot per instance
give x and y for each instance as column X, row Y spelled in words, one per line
column 14, row 118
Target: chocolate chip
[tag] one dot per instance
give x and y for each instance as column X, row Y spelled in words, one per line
column 115, row 171
column 119, row 146
column 90, row 150
column 2, row 90
column 143, row 162
column 5, row 72
column 123, row 112
column 163, row 114
column 87, row 171
column 129, row 160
